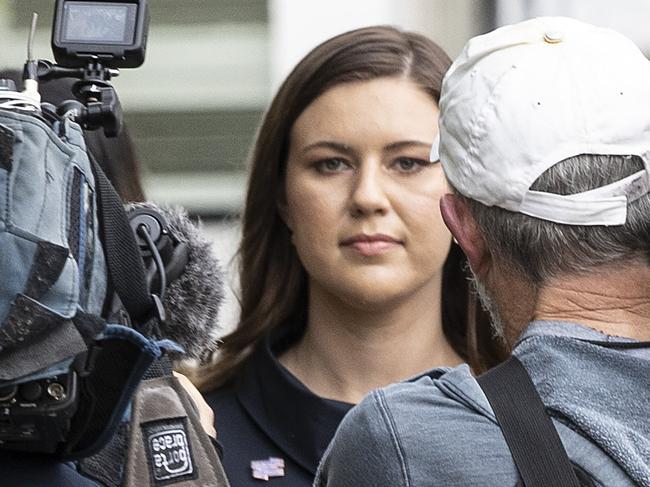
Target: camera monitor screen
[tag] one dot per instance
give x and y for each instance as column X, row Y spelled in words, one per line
column 99, row 22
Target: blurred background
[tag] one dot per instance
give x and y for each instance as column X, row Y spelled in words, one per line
column 212, row 67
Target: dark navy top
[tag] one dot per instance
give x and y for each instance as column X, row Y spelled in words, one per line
column 267, row 413
column 19, row 469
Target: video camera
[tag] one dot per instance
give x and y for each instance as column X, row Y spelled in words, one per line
column 91, row 39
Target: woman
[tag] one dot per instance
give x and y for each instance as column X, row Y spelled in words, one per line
column 349, row 278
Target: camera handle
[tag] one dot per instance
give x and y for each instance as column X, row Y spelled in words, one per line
column 97, row 104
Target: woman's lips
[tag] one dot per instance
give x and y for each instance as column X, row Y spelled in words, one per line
column 370, row 245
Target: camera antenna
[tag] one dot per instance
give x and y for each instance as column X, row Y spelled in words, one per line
column 29, row 98
column 30, row 72
column 32, row 34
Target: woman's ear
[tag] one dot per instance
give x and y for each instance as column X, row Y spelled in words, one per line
column 283, row 210
column 458, row 218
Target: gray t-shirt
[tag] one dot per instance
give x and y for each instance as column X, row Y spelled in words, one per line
column 439, row 429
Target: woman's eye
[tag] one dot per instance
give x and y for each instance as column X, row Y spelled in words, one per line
column 331, row 165
column 409, row 164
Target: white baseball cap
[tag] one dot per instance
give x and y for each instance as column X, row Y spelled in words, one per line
column 526, row 96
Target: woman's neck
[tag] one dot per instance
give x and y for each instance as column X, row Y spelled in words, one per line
column 349, row 350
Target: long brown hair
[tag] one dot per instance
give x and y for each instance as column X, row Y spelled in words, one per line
column 272, row 279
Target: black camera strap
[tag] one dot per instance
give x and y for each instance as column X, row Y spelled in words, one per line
column 123, row 258
column 530, row 434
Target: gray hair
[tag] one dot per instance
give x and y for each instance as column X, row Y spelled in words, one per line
column 541, row 249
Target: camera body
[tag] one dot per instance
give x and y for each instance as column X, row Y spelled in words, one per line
column 112, row 32
column 36, row 415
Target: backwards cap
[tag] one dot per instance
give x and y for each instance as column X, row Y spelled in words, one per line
column 524, row 97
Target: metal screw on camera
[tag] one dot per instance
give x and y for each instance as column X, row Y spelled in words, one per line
column 56, row 391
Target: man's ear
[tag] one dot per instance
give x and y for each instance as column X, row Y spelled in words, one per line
column 456, row 215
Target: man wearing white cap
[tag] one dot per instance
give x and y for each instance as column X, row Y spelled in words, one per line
column 545, row 142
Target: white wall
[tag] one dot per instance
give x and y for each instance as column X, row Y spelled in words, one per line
column 297, row 26
column 630, row 17
column 225, row 236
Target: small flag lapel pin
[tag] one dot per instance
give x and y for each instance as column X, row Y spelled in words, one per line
column 266, row 469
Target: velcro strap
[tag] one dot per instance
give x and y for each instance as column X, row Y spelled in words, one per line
column 61, row 343
column 7, row 139
column 27, row 321
column 47, row 266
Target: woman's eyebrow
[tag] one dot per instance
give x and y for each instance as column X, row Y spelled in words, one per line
column 329, row 144
column 346, row 149
column 401, row 144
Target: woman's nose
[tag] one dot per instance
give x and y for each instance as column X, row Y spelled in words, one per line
column 368, row 194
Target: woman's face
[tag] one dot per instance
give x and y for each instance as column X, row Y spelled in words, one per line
column 362, row 200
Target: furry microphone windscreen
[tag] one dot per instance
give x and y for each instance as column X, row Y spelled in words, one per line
column 192, row 299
